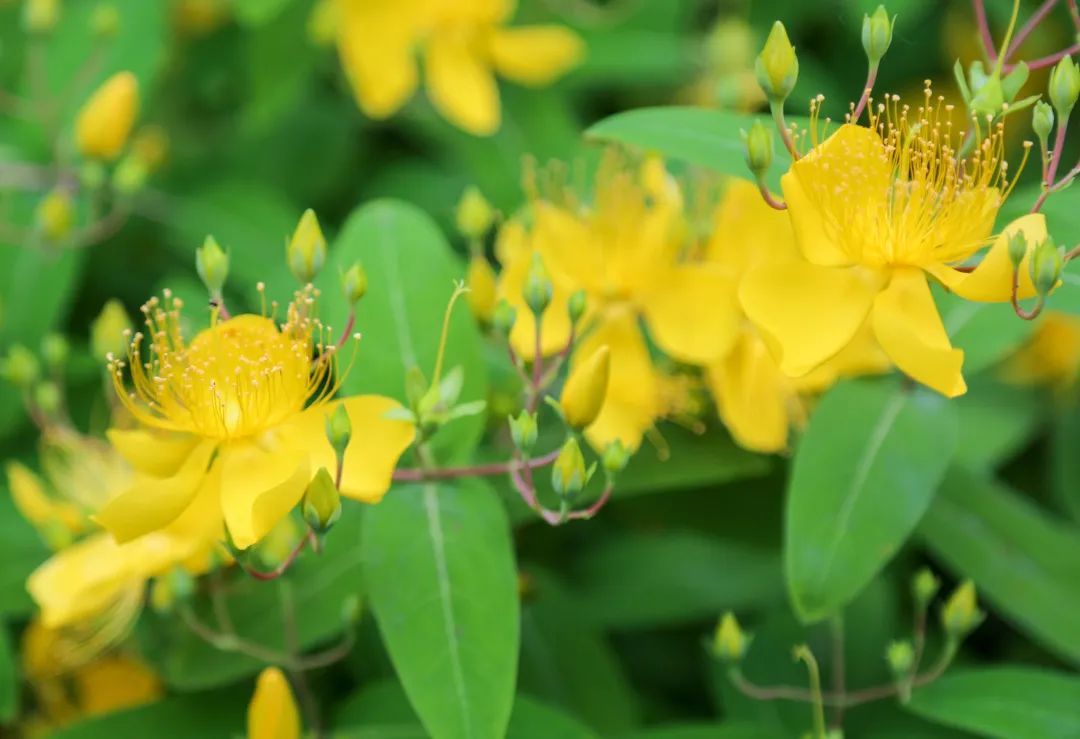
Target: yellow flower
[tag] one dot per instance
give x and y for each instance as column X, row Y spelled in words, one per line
column 105, row 121
column 272, row 712
column 876, row 211
column 235, row 418
column 756, row 401
column 1052, row 354
column 625, row 250
column 464, row 44
column 585, row 388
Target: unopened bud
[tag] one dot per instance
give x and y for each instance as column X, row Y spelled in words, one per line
column 586, row 387
column 568, row 474
column 1018, row 246
column 1047, row 261
column 523, row 430
column 47, row 397
column 1042, row 120
column 877, row 30
column 354, row 283
column 20, row 367
column 616, row 457
column 306, row 250
column 107, row 331
column 901, row 656
column 777, row 67
column 105, row 21
column 56, row 215
column 1064, row 86
column 212, row 264
column 474, row 214
column 576, row 306
column 55, row 350
column 105, row 121
column 924, row 586
column 729, row 641
column 40, row 16
column 481, row 282
column 339, row 429
column 504, row 317
column 150, row 146
column 322, row 502
column 960, row 614
column 538, row 288
column 758, row 142
column 130, row 176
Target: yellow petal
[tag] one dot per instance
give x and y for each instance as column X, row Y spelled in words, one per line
column 375, row 42
column 535, row 55
column 907, row 323
column 35, row 505
column 260, row 483
column 105, row 121
column 272, row 713
column 693, row 313
column 155, row 453
column 753, row 396
column 151, row 503
column 80, row 581
column 460, row 84
column 806, row 312
column 114, row 683
column 991, row 282
column 195, row 533
column 747, row 231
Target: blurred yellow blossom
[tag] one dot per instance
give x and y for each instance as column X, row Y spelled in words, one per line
column 272, row 713
column 105, row 121
column 1051, row 356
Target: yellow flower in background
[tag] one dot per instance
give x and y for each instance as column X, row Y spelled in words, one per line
column 233, row 423
column 196, row 18
column 1051, row 356
column 464, row 44
column 756, row 401
column 272, row 713
column 876, row 212
column 105, row 121
column 625, row 249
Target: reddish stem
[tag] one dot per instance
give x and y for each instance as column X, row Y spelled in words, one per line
column 480, row 470
column 280, row 570
column 1014, row 298
column 349, row 325
column 984, row 29
column 769, row 199
column 871, row 78
column 1047, row 61
column 594, row 508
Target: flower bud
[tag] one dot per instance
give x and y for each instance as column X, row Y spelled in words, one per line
column 523, row 430
column 615, row 458
column 568, row 474
column 55, row 215
column 354, row 283
column 777, row 67
column 576, row 306
column 272, row 712
column 1047, row 262
column 105, row 121
column 1064, row 86
column 322, row 502
column 40, row 16
column 130, row 176
column 924, row 586
column 212, row 264
column 306, row 250
column 758, row 143
column 1018, row 247
column 481, row 282
column 877, row 30
column 20, row 367
column 105, row 21
column 729, row 641
column 585, row 389
column 538, row 288
column 961, row 614
column 47, row 397
column 55, row 351
column 339, row 429
column 504, row 317
column 150, row 146
column 1042, row 120
column 474, row 214
column 107, row 330
column 901, row 656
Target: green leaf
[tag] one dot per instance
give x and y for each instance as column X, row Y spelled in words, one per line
column 996, row 421
column 21, row 551
column 535, row 720
column 1005, row 702
column 728, row 730
column 411, row 273
column 987, row 332
column 1023, row 562
column 439, row 566
column 1064, row 461
column 863, row 475
column 679, row 577
column 9, row 677
column 258, row 12
column 699, row 136
column 219, row 713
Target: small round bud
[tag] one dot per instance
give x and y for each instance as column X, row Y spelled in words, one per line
column 322, row 502
column 504, row 317
column 354, row 283
column 1018, row 247
column 212, row 264
column 576, row 305
column 105, row 121
column 877, row 30
column 1042, row 120
column 40, row 16
column 960, row 614
column 924, row 586
column 130, row 176
column 20, row 367
column 306, row 250
column 777, row 67
column 56, row 215
column 481, row 282
column 339, row 429
column 150, row 146
column 47, row 397
column 901, row 656
column 729, row 641
column 105, row 21
column 107, row 331
column 758, row 142
column 524, row 430
column 1047, row 262
column 1064, row 86
column 568, row 474
column 474, row 214
column 615, row 458
column 586, row 387
column 538, row 288
column 55, row 350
